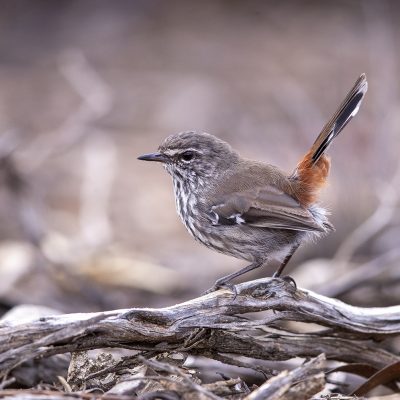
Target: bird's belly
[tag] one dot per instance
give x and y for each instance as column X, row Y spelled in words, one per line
column 200, row 227
column 240, row 241
column 250, row 243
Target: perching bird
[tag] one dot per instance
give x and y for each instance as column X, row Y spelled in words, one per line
column 250, row 209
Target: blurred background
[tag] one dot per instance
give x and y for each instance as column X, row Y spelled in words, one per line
column 87, row 86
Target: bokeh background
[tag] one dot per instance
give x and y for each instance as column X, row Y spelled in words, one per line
column 88, row 85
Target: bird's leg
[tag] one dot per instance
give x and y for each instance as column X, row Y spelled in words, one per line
column 224, row 282
column 279, row 271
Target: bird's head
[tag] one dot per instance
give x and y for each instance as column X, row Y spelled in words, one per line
column 193, row 156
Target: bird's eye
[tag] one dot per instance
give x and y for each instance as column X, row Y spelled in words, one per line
column 187, row 156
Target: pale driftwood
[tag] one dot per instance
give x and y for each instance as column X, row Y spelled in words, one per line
column 279, row 387
column 213, row 324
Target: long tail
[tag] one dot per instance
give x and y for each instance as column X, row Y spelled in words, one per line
column 313, row 169
column 346, row 111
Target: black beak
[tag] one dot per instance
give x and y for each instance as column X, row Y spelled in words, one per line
column 154, row 157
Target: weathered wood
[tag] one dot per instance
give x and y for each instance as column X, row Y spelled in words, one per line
column 214, row 323
column 278, row 387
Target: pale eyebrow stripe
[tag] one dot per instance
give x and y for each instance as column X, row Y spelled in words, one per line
column 172, row 152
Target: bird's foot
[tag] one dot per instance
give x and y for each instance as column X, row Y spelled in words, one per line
column 286, row 278
column 222, row 285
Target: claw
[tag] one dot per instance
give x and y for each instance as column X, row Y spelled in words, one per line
column 286, row 278
column 222, row 285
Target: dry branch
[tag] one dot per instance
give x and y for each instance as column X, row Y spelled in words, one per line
column 212, row 324
column 279, row 387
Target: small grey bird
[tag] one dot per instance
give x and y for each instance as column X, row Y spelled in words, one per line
column 250, row 209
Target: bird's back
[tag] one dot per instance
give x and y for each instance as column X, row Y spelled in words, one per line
column 247, row 175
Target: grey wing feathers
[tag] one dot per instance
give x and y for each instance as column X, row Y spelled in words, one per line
column 267, row 207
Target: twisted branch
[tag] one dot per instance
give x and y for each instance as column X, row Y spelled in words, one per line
column 214, row 324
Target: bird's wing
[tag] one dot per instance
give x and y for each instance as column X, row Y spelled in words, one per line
column 265, row 207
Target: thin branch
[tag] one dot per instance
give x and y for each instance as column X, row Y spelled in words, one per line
column 276, row 387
